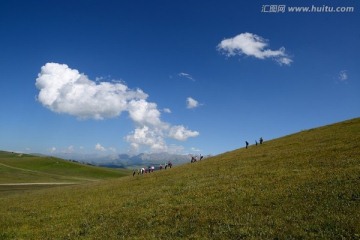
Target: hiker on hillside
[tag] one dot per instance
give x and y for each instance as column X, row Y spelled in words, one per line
column 247, row 144
column 201, row 157
column 261, row 140
column 134, row 172
column 256, row 143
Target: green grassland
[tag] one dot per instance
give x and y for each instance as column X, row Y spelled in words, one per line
column 302, row 186
column 16, row 169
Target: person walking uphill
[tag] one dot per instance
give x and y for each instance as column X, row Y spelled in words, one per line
column 247, row 144
column 261, row 140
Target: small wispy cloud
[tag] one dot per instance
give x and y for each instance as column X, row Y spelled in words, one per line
column 343, row 76
column 195, row 149
column 100, row 148
column 112, row 149
column 68, row 150
column 192, row 103
column 250, row 44
column 167, row 110
column 186, row 75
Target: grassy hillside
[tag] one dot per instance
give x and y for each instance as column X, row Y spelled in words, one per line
column 22, row 168
column 302, row 186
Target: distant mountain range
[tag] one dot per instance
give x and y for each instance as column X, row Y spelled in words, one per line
column 127, row 161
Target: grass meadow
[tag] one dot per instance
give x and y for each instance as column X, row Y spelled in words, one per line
column 302, row 186
column 16, row 169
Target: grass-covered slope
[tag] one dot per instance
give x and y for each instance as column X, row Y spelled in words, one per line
column 24, row 168
column 302, row 186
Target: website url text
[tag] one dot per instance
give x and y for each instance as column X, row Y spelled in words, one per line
column 308, row 9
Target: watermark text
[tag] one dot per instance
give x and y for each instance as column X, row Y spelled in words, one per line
column 305, row 9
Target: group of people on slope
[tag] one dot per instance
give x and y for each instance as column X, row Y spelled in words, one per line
column 194, row 159
column 152, row 168
column 256, row 142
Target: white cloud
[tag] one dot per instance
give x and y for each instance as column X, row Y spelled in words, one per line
column 65, row 90
column 100, row 148
column 186, row 75
column 252, row 45
column 167, row 110
column 343, row 75
column 144, row 112
column 154, row 137
column 181, row 133
column 52, row 150
column 191, row 103
column 147, row 136
column 284, row 60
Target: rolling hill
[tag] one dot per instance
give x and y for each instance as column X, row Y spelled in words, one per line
column 301, row 186
column 27, row 172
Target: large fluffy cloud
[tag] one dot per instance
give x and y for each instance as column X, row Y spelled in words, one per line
column 144, row 112
column 65, row 90
column 147, row 136
column 252, row 45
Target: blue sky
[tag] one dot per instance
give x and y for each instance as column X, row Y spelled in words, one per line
column 105, row 77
